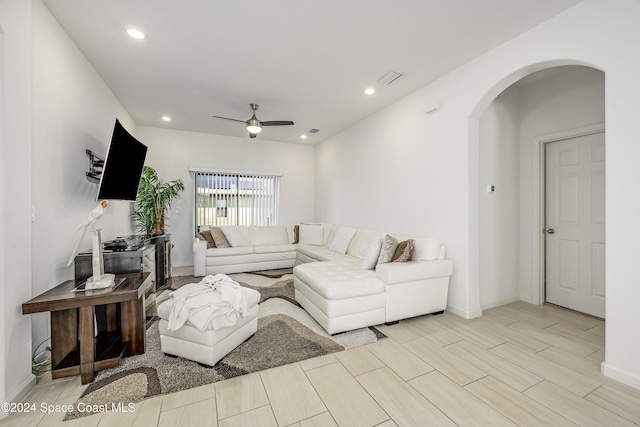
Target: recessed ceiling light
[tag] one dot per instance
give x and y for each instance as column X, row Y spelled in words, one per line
column 166, row 118
column 303, row 136
column 136, row 33
column 370, row 91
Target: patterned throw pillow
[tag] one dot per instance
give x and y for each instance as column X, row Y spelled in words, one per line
column 206, row 236
column 296, row 233
column 219, row 238
column 404, row 251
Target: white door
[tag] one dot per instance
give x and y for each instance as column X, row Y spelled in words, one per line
column 574, row 223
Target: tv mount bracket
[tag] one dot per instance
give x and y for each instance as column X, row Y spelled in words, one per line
column 96, row 163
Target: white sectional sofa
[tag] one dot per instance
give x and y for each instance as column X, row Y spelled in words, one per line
column 252, row 248
column 340, row 277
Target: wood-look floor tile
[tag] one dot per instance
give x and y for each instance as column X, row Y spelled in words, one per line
column 569, row 318
column 533, row 319
column 344, row 397
column 187, row 397
column 389, row 423
column 552, row 338
column 598, row 331
column 575, row 335
column 515, row 337
column 428, row 327
column 461, row 406
column 582, row 365
column 316, row 362
column 570, row 380
column 292, row 396
column 512, row 375
column 398, row 358
column 467, row 329
column 576, row 409
column 240, row 394
column 201, row 413
column 259, row 417
column 452, row 366
column 400, row 332
column 146, row 414
column 519, row 408
column 322, row 420
column 359, row 360
column 624, row 402
column 402, row 402
column 598, row 356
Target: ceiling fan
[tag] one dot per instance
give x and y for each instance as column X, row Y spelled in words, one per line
column 254, row 126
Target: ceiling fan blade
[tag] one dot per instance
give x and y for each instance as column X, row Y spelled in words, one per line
column 227, row 118
column 277, row 123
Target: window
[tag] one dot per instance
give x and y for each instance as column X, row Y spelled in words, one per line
column 225, row 198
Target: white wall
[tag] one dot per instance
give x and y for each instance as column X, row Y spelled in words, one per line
column 73, row 110
column 427, row 165
column 499, row 154
column 15, row 196
column 172, row 152
column 572, row 99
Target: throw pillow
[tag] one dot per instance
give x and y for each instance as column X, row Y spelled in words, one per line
column 219, row 238
column 206, row 236
column 388, row 249
column 311, row 234
column 237, row 235
column 296, row 233
column 341, row 240
column 404, row 251
column 371, row 255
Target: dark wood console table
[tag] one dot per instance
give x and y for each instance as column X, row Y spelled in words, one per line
column 120, row 324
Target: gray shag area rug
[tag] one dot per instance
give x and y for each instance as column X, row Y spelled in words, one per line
column 286, row 334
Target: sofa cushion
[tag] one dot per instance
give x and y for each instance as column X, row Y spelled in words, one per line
column 362, row 240
column 393, row 272
column 404, row 251
column 219, row 238
column 237, row 235
column 388, row 249
column 371, row 255
column 268, row 249
column 427, row 249
column 240, row 250
column 311, row 234
column 321, row 253
column 335, row 280
column 207, row 237
column 341, row 239
column 272, row 235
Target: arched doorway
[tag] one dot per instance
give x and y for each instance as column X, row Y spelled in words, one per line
column 512, row 129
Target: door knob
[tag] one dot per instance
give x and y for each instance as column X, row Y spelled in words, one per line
column 551, row 231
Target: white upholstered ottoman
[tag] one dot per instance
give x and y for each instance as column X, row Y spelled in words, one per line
column 208, row 346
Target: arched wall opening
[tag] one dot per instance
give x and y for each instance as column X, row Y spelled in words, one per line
column 510, row 125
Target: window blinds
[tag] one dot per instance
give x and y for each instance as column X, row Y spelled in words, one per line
column 236, row 199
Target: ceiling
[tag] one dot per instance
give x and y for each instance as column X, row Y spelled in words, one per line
column 303, row 60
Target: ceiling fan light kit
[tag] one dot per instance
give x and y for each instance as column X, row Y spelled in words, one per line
column 254, row 126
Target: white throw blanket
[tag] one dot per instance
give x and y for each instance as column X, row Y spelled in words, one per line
column 216, row 302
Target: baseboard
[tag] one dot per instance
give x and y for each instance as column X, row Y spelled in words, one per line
column 185, row 270
column 466, row 314
column 19, row 395
column 621, row 375
column 500, row 302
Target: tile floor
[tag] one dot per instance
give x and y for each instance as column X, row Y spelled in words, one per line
column 518, row 364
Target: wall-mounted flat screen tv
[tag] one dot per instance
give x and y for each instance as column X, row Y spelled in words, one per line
column 122, row 166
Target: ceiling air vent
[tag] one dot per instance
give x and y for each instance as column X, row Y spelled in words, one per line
column 313, row 131
column 390, row 77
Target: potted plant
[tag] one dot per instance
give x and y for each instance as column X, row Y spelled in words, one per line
column 153, row 202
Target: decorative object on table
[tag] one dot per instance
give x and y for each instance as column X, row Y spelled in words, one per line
column 99, row 278
column 153, row 202
column 286, row 334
